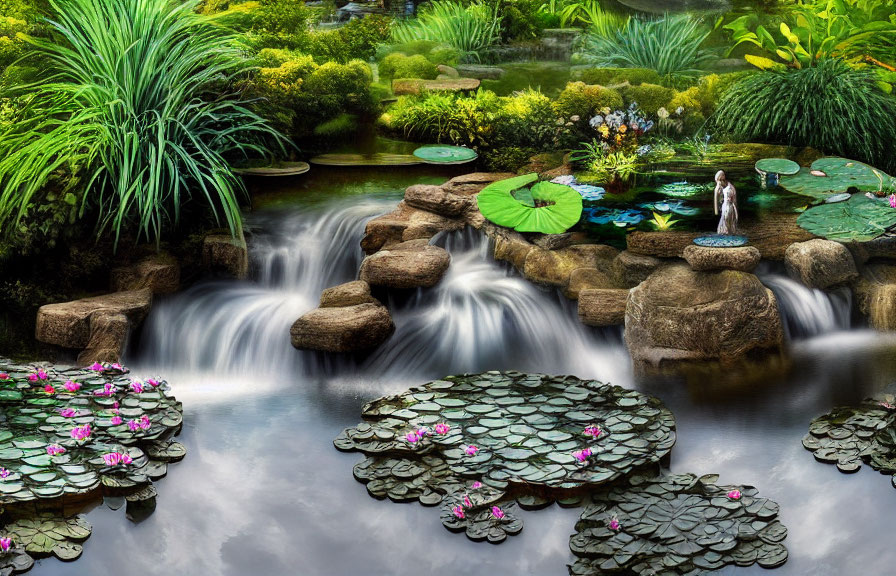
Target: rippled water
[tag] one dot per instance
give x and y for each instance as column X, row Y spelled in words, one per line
column 263, row 491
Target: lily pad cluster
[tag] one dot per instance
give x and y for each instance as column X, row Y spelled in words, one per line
column 857, row 219
column 849, row 436
column 676, row 524
column 69, row 433
column 834, row 175
column 526, row 205
column 506, row 436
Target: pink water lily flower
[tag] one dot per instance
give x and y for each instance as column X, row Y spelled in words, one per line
column 153, row 382
column 459, row 512
column 126, row 458
column 4, row 376
column 582, row 455
column 593, row 431
column 32, row 377
column 96, row 367
column 42, row 375
column 55, row 450
column 116, row 366
column 108, row 390
column 467, row 502
column 887, row 405
column 734, row 495
column 471, row 450
column 497, row 512
column 81, row 432
column 71, row 386
column 68, row 412
column 892, row 199
column 442, row 428
column 614, row 524
column 5, row 544
column 4, row 473
column 136, row 387
column 413, row 437
column 476, row 484
column 48, row 389
column 112, row 458
column 116, row 420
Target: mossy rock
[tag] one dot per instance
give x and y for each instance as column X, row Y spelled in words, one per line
column 400, row 65
column 611, row 76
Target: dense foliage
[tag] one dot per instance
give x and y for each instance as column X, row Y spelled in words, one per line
column 469, row 28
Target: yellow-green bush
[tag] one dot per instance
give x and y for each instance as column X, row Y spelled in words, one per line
column 611, row 76
column 400, row 65
column 649, row 97
column 584, row 100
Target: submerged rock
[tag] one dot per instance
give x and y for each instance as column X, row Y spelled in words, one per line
column 413, row 264
column 681, row 316
column 343, row 329
column 820, row 263
column 705, row 258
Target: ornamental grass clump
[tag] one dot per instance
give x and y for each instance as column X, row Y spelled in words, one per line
column 135, row 106
column 470, row 29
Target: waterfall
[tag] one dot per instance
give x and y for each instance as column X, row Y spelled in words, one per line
column 808, row 312
column 481, row 316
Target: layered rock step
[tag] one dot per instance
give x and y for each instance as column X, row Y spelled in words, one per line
column 707, row 258
column 98, row 326
column 412, row 264
column 348, row 319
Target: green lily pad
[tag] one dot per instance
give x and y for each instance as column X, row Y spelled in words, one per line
column 834, row 175
column 546, row 207
column 781, row 166
column 858, row 219
column 41, row 534
column 445, row 154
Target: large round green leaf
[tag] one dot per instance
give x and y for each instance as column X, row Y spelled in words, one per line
column 445, row 154
column 834, row 175
column 781, row 166
column 546, row 207
column 860, row 219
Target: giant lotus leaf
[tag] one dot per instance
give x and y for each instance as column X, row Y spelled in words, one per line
column 545, row 207
column 859, row 219
column 840, row 174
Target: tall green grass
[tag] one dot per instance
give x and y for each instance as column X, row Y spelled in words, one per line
column 135, row 109
column 671, row 45
column 830, row 106
column 470, row 28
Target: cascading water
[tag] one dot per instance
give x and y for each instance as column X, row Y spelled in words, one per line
column 808, row 312
column 481, row 316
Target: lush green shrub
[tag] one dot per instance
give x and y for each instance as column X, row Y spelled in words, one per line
column 649, row 97
column 398, row 65
column 829, row 106
column 671, row 46
column 143, row 131
column 527, row 120
column 11, row 46
column 339, row 126
column 585, row 100
column 446, row 117
column 611, row 76
column 357, row 39
column 521, row 20
column 267, row 23
column 470, row 29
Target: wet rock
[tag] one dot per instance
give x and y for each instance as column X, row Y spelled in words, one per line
column 875, row 292
column 343, row 329
column 585, row 279
column 602, row 307
column 630, row 269
column 405, row 223
column 348, row 294
column 436, row 199
column 704, row 258
column 557, row 241
column 473, row 183
column 158, row 272
column 99, row 324
column 412, row 264
column 553, row 267
column 510, row 246
column 678, row 316
column 223, row 254
column 820, row 263
column 666, row 244
column 481, row 72
column 406, row 87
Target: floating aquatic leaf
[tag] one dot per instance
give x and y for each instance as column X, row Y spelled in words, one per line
column 546, row 207
column 834, row 175
column 858, row 219
column 440, row 154
column 781, row 166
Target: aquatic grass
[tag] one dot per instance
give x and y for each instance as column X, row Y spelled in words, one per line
column 470, row 29
column 830, row 106
column 671, row 46
column 136, row 106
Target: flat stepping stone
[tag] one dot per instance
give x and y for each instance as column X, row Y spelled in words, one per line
column 284, row 169
column 721, row 241
column 378, row 159
column 705, row 258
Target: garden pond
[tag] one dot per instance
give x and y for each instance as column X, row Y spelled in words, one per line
column 264, row 491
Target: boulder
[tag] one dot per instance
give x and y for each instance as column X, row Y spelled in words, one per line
column 875, row 292
column 159, row 272
column 448, row 71
column 704, row 258
column 405, row 223
column 586, row 279
column 343, row 329
column 406, row 87
column 510, row 246
column 679, row 316
column 661, row 244
column 97, row 325
column 820, row 263
column 882, row 248
column 557, row 241
column 553, row 267
column 222, row 254
column 602, row 307
column 348, row 294
column 473, row 183
column 436, row 199
column 630, row 269
column 481, row 72
column 412, row 264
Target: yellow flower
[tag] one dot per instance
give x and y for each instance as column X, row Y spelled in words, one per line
column 604, row 130
column 622, row 129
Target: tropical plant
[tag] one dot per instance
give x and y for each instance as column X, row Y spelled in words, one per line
column 829, row 106
column 588, row 13
column 442, row 117
column 662, row 221
column 135, row 105
column 670, row 45
column 470, row 29
column 816, row 29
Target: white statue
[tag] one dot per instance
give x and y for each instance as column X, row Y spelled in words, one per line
column 728, row 222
